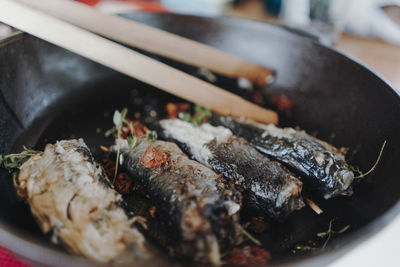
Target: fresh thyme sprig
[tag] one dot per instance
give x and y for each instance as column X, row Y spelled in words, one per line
column 119, row 119
column 121, row 122
column 13, row 162
column 330, row 232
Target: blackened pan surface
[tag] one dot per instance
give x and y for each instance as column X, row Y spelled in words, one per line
column 48, row 94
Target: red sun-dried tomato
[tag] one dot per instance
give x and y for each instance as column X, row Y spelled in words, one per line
column 282, row 102
column 248, row 255
column 152, row 211
column 109, row 168
column 138, row 128
column 257, row 97
column 174, row 109
column 153, row 158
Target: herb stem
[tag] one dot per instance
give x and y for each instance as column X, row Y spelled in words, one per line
column 248, row 235
column 331, row 232
column 375, row 164
column 116, row 166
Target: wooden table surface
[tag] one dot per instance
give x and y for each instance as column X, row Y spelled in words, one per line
column 379, row 56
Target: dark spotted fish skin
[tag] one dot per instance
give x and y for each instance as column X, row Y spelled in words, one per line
column 322, row 166
column 197, row 203
column 267, row 186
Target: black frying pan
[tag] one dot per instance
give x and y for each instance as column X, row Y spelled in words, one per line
column 48, row 93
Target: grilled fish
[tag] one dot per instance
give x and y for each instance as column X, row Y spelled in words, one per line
column 266, row 185
column 72, row 200
column 323, row 167
column 201, row 208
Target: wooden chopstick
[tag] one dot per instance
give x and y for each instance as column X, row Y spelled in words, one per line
column 129, row 62
column 153, row 40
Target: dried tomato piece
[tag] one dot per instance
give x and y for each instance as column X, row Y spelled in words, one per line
column 138, row 128
column 123, row 184
column 109, row 168
column 125, row 132
column 152, row 211
column 282, row 102
column 257, row 97
column 153, row 158
column 174, row 109
column 259, row 255
column 249, row 255
column 238, row 258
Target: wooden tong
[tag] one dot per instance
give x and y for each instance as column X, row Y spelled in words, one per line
column 29, row 16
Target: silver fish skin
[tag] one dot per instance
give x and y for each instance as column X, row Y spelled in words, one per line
column 199, row 206
column 266, row 185
column 72, row 201
column 322, row 166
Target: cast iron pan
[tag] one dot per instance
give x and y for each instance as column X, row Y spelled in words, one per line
column 48, row 93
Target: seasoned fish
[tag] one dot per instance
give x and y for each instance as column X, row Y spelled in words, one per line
column 72, row 200
column 323, row 166
column 198, row 204
column 266, row 185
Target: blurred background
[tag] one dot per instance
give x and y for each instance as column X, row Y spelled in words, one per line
column 368, row 30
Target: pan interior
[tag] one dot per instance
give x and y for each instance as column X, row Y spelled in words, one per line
column 88, row 115
column 49, row 94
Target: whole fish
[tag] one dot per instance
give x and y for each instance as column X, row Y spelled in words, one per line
column 73, row 202
column 266, row 185
column 322, row 166
column 199, row 206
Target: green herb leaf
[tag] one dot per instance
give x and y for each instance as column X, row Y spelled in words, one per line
column 201, row 115
column 117, row 118
column 185, row 116
column 112, row 131
column 131, row 141
column 197, row 108
column 152, row 136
